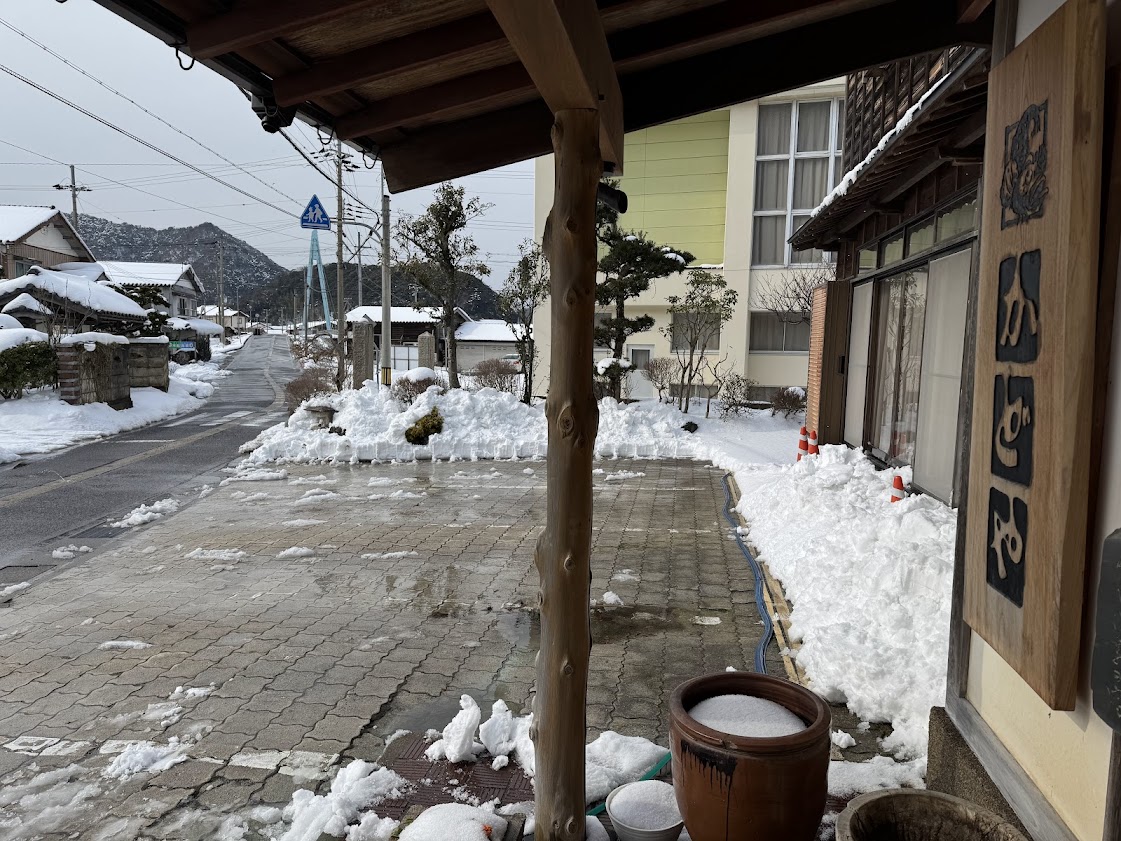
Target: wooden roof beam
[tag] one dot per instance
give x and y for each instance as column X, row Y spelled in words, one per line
column 562, row 45
column 432, row 46
column 432, row 103
column 970, row 10
column 258, row 21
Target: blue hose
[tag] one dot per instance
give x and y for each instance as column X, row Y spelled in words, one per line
column 760, row 604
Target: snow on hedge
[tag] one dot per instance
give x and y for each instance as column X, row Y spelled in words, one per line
column 869, row 582
column 478, row 424
column 15, row 336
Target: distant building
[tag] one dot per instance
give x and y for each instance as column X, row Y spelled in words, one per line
column 487, row 338
column 232, row 319
column 37, row 236
column 177, row 282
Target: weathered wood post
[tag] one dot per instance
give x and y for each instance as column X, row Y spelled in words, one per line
column 564, row 549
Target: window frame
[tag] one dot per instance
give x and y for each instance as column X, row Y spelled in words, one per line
column 791, row 156
column 786, row 325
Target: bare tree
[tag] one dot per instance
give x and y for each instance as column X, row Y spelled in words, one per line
column 791, row 295
column 695, row 322
column 716, row 373
column 659, row 372
column 439, row 255
column 525, row 289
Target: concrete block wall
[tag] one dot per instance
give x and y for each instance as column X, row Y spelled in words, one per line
column 147, row 364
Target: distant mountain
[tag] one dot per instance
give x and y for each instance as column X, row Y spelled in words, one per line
column 244, row 265
column 480, row 301
column 265, row 284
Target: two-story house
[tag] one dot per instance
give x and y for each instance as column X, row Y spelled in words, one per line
column 37, row 236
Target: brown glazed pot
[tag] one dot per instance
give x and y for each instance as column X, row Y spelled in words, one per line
column 735, row 788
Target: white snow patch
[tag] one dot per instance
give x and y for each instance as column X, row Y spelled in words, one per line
column 358, row 786
column 373, row 556
column 124, row 645
column 13, row 588
column 295, row 552
column 145, row 758
column 622, row 475
column 706, row 620
column 298, row 524
column 842, row 739
column 455, row 822
column 164, row 712
column 143, row 514
column 225, row 555
column 848, row 779
column 63, row 553
column 612, row 598
column 190, row 693
column 746, row 715
column 458, row 742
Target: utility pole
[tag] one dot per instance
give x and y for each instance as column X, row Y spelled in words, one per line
column 341, row 314
column 386, row 292
column 74, row 190
column 221, row 290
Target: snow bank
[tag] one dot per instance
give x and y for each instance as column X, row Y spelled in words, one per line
column 479, row 424
column 869, row 582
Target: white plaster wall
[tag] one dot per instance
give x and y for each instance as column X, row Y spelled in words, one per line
column 51, row 239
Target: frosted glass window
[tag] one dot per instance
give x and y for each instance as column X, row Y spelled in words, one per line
column 774, row 130
column 811, row 175
column 940, row 388
column 856, row 371
column 956, row 220
column 920, row 237
column 899, row 341
column 813, row 126
column 771, row 187
column 768, row 244
column 893, row 250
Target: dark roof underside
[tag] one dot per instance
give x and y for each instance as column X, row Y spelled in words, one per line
column 434, row 88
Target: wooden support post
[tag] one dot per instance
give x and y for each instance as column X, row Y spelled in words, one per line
column 564, row 549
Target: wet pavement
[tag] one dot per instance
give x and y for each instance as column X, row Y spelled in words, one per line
column 413, row 587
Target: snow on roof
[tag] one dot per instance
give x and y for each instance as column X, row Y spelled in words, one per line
column 200, row 325
column 24, row 302
column 485, row 330
column 79, row 290
column 850, row 177
column 95, row 338
column 17, row 221
column 133, row 274
column 211, row 310
column 398, row 315
column 9, row 321
column 15, row 336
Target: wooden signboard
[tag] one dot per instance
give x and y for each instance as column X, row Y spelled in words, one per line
column 1032, row 405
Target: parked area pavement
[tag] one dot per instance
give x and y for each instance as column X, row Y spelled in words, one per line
column 319, row 613
column 68, row 497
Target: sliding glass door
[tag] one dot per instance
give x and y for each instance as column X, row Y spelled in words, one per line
column 900, row 314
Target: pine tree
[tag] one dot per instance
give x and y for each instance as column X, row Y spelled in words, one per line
column 631, row 262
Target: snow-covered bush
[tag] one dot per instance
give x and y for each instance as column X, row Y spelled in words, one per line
column 425, row 427
column 789, row 401
column 310, row 383
column 608, row 371
column 499, row 374
column 29, row 365
column 408, row 388
column 735, row 396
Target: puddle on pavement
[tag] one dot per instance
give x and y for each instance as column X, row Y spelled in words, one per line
column 622, row 623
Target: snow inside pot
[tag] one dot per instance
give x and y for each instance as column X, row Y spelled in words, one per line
column 750, row 757
column 644, row 811
column 915, row 815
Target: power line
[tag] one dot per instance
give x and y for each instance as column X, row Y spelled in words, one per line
column 113, row 90
column 326, row 175
column 139, row 140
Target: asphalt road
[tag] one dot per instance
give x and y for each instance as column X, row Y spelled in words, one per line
column 69, row 497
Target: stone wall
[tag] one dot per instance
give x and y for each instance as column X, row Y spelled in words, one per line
column 147, row 363
column 99, row 375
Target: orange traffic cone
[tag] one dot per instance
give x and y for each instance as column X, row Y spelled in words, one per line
column 803, row 447
column 897, row 492
column 813, row 443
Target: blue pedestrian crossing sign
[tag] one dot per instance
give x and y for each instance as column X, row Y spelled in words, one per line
column 314, row 216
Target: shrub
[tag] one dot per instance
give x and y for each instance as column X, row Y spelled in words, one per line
column 789, row 401
column 30, row 365
column 659, row 371
column 312, row 382
column 407, row 390
column 202, row 348
column 430, row 424
column 735, row 396
column 499, row 374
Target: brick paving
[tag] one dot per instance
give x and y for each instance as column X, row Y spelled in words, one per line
column 408, row 600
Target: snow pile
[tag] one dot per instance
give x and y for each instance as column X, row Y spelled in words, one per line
column 455, row 822
column 418, row 375
column 479, row 424
column 65, row 553
column 458, row 742
column 611, row 598
column 11, row 337
column 746, row 715
column 612, row 760
column 147, row 513
column 198, row 372
column 869, row 582
column 358, row 786
column 145, row 758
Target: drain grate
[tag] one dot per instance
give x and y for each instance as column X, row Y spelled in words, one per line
column 100, row 531
column 19, row 574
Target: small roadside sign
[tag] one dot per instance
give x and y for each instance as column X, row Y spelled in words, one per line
column 314, row 216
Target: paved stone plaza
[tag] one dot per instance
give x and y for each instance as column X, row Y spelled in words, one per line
column 418, row 587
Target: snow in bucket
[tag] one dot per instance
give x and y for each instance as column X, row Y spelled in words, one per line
column 645, row 811
column 746, row 715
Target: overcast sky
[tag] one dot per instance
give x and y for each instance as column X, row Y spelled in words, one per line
column 131, row 183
